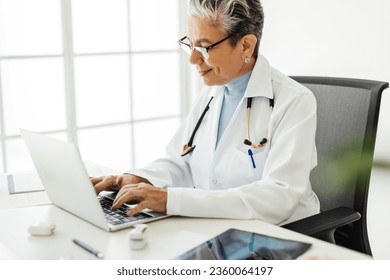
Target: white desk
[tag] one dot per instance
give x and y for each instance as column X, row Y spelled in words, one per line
column 167, row 238
column 20, row 199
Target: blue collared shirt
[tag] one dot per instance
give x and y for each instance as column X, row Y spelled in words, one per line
column 234, row 91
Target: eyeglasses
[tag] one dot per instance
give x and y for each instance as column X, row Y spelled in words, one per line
column 188, row 47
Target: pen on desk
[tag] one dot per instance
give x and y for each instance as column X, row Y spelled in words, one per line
column 88, row 248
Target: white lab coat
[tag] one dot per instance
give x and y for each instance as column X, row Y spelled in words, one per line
column 221, row 181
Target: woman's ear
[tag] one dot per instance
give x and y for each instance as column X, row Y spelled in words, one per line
column 248, row 45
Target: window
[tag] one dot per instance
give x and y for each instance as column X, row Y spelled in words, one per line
column 107, row 75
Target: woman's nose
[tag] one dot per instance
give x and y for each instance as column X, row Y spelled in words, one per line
column 195, row 57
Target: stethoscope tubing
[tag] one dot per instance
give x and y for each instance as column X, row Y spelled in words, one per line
column 188, row 148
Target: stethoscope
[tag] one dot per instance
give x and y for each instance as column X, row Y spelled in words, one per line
column 188, row 148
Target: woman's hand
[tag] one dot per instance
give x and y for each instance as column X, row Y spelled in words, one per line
column 115, row 183
column 145, row 195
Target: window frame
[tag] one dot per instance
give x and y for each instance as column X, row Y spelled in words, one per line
column 69, row 56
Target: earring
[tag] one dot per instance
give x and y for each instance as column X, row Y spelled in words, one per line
column 247, row 60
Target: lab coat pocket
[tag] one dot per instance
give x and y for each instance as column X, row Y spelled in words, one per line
column 251, row 160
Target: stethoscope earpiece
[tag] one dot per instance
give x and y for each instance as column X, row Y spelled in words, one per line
column 261, row 144
column 248, row 110
column 263, row 141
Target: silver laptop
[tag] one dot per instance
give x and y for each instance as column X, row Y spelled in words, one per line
column 68, row 186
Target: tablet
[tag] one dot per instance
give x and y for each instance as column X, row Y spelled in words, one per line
column 235, row 244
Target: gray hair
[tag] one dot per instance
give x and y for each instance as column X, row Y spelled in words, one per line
column 236, row 18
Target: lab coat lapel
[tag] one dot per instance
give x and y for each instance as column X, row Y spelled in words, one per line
column 259, row 85
column 216, row 105
column 260, row 82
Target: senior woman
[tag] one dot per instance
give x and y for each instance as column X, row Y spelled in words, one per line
column 247, row 147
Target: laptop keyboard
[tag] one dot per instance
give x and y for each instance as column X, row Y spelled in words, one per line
column 119, row 216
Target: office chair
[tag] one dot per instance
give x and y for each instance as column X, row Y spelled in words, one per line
column 347, row 118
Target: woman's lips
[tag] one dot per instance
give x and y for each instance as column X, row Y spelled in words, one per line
column 204, row 72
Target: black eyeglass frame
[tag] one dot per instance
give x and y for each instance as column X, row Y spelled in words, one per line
column 203, row 50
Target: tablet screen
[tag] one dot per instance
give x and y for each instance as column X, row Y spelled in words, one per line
column 235, row 244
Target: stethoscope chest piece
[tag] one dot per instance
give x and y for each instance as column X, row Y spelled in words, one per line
column 187, row 149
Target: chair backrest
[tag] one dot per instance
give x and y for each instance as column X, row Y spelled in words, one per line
column 347, row 118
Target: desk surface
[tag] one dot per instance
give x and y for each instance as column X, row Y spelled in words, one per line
column 167, row 238
column 20, row 199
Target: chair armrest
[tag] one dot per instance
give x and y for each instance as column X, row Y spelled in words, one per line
column 324, row 224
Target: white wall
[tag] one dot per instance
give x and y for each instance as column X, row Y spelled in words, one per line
column 339, row 38
column 344, row 38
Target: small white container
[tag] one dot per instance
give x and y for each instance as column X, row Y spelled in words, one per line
column 138, row 237
column 41, row 229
